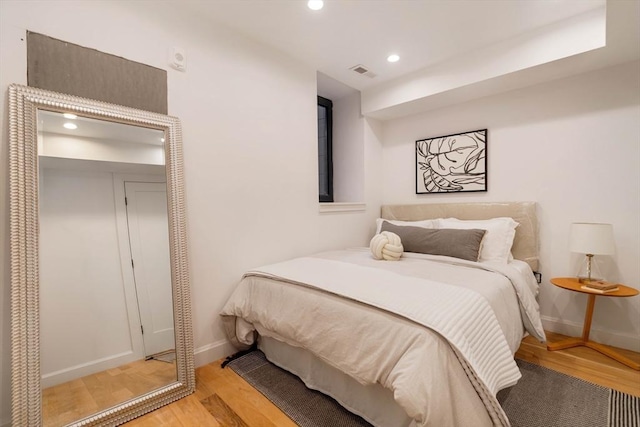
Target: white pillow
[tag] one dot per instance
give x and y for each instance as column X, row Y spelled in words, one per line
column 497, row 242
column 426, row 223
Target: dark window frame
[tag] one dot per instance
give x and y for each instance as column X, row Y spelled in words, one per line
column 328, row 105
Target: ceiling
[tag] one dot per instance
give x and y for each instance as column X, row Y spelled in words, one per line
column 52, row 122
column 346, row 33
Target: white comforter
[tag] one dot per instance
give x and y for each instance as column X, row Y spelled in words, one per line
column 478, row 309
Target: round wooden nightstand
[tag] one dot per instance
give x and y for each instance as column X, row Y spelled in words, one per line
column 572, row 284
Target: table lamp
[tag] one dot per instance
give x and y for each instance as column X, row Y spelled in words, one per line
column 591, row 239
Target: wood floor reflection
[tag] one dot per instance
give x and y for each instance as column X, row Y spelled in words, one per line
column 73, row 400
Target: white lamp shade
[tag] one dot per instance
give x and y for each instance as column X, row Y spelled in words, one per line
column 592, row 238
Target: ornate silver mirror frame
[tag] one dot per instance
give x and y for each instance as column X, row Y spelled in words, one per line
column 24, row 103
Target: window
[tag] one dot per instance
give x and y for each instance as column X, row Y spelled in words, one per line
column 325, row 160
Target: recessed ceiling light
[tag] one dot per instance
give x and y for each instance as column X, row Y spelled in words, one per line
column 315, row 4
column 70, row 125
column 161, row 139
column 393, row 58
column 69, row 116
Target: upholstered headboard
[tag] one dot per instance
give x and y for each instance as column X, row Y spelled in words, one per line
column 525, row 243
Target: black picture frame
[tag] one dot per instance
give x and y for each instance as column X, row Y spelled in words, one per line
column 455, row 163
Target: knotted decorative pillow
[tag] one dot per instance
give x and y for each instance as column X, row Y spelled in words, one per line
column 387, row 246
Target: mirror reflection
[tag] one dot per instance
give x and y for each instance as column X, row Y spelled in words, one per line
column 106, row 311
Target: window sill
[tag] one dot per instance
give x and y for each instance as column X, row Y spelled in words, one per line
column 342, row 207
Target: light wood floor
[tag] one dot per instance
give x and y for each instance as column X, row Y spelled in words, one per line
column 74, row 400
column 585, row 363
column 223, row 399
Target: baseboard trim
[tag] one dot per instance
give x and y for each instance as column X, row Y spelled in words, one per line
column 211, row 352
column 616, row 339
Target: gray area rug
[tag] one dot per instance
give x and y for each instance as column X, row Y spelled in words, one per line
column 542, row 398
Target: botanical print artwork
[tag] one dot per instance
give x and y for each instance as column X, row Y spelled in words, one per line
column 452, row 164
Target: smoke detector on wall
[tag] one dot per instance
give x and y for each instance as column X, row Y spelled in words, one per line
column 362, row 70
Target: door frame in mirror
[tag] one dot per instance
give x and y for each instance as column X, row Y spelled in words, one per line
column 24, row 103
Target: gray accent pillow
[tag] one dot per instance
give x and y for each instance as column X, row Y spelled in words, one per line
column 463, row 244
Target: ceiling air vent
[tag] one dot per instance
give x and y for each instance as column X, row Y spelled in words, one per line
column 361, row 69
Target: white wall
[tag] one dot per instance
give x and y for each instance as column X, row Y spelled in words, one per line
column 250, row 150
column 573, row 146
column 348, row 149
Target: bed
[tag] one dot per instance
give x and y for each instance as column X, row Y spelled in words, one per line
column 424, row 341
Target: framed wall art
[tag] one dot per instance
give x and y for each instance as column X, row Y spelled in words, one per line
column 452, row 163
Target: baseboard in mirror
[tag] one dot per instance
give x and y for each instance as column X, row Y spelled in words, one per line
column 343, row 207
column 87, row 368
column 572, row 329
column 211, row 352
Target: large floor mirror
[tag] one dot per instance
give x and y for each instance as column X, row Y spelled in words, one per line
column 100, row 305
